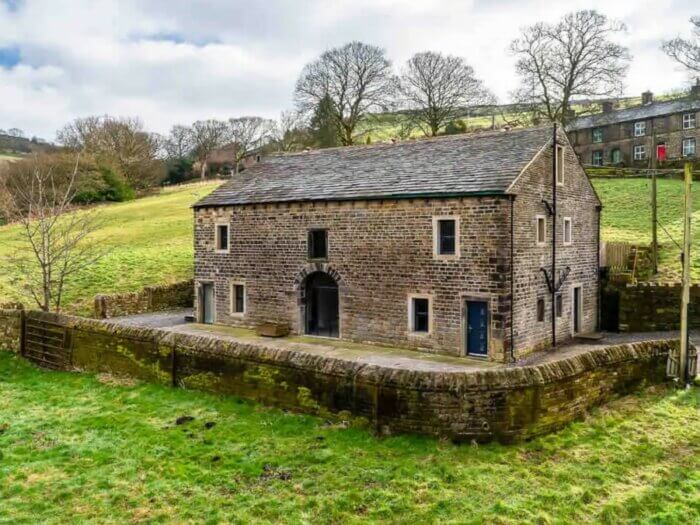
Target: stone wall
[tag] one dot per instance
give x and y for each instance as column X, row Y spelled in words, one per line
column 150, row 299
column 646, row 307
column 507, row 403
column 576, row 200
column 11, row 330
column 379, row 253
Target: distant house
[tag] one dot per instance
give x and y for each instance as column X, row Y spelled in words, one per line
column 222, row 160
column 660, row 131
column 442, row 245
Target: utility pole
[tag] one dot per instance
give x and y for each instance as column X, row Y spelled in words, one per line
column 654, row 218
column 685, row 298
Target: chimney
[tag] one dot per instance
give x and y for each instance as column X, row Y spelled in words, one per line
column 695, row 90
column 647, row 98
column 607, row 106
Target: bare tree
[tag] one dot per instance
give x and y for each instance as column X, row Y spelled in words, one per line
column 179, row 142
column 291, row 133
column 120, row 142
column 54, row 235
column 437, row 87
column 574, row 57
column 249, row 134
column 206, row 136
column 686, row 52
column 358, row 80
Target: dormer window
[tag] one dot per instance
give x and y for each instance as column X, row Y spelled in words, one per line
column 640, row 129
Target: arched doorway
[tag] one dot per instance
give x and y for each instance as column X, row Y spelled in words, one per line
column 321, row 305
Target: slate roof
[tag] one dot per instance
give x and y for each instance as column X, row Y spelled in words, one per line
column 455, row 165
column 655, row 109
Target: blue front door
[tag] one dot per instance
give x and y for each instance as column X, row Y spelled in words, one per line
column 477, row 328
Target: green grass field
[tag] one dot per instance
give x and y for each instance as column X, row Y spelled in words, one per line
column 149, row 242
column 80, row 449
column 627, row 217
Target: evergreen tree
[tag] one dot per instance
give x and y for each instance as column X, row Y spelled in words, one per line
column 324, row 127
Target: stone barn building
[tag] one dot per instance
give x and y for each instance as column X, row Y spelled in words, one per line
column 442, row 245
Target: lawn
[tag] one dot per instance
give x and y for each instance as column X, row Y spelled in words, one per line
column 627, row 217
column 149, row 242
column 76, row 448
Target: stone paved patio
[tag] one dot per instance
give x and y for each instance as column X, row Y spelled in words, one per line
column 370, row 354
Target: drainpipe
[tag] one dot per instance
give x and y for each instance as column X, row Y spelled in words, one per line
column 512, row 274
column 554, row 235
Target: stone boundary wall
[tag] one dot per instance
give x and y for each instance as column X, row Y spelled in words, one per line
column 150, row 299
column 503, row 403
column 11, row 329
column 647, row 307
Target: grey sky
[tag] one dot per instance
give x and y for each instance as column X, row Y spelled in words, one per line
column 176, row 61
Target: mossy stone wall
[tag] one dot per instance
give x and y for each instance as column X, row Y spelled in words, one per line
column 507, row 403
column 11, row 329
column 150, row 299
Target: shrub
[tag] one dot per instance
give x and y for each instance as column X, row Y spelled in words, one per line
column 455, row 127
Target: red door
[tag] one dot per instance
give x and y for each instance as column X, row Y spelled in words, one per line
column 661, row 151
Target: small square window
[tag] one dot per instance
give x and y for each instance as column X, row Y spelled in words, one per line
column 640, row 129
column 597, row 157
column 567, row 230
column 597, row 135
column 318, row 244
column 640, row 152
column 237, row 298
column 559, row 306
column 447, row 232
column 420, row 310
column 688, row 120
column 688, row 147
column 222, row 237
column 540, row 310
column 560, row 165
column 541, row 230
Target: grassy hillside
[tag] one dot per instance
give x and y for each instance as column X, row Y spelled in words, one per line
column 150, row 239
column 627, row 217
column 78, row 449
column 150, row 242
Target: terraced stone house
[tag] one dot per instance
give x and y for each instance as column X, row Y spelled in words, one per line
column 442, row 245
column 642, row 136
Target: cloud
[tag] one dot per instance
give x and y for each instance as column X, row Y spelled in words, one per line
column 176, row 61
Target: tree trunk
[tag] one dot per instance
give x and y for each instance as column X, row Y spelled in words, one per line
column 203, row 172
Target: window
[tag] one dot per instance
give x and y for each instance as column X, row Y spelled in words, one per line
column 567, row 231
column 688, row 147
column 237, row 298
column 445, row 237
column 597, row 157
column 222, row 237
column 689, row 121
column 541, row 229
column 540, row 310
column 318, row 244
column 419, row 314
column 640, row 129
column 560, row 165
column 615, row 156
column 558, row 305
column 640, row 152
column 597, row 135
